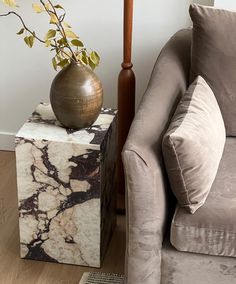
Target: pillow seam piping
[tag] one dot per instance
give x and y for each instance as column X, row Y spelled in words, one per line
column 181, row 172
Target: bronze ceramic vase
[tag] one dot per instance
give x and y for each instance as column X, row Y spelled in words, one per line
column 76, row 96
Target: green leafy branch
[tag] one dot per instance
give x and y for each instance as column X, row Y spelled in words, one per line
column 60, row 38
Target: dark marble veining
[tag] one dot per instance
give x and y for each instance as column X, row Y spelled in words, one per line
column 66, row 188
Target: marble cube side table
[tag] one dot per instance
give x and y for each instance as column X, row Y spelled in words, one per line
column 66, row 188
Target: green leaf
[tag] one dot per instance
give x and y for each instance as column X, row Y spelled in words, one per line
column 37, row 8
column 50, row 34
column 20, row 31
column 77, row 42
column 47, row 42
column 29, row 40
column 96, row 54
column 58, row 57
column 91, row 64
column 84, row 53
column 66, row 25
column 61, row 41
column 54, row 63
column 63, row 63
column 94, row 57
column 70, row 34
column 26, row 39
column 59, row 7
column 53, row 19
column 11, row 3
column 84, row 58
column 47, row 6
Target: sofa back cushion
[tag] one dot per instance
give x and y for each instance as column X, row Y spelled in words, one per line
column 214, row 57
column 193, row 145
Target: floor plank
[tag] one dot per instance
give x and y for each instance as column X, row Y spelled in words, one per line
column 14, row 270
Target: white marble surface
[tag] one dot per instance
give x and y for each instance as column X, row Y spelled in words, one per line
column 64, row 178
column 44, row 126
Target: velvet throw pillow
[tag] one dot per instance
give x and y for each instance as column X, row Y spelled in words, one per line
column 214, row 57
column 193, row 145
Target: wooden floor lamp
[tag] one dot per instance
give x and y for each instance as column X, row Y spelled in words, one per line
column 126, row 96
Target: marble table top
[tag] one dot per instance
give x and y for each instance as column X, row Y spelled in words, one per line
column 43, row 125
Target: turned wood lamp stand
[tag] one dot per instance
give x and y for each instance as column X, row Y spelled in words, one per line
column 126, row 96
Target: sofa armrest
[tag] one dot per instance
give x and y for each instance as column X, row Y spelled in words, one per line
column 146, row 182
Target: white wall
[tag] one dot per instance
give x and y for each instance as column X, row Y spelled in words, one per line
column 225, row 4
column 26, row 74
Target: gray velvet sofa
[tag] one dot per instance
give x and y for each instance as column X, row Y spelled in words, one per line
column 150, row 257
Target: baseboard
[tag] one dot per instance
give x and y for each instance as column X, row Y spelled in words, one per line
column 7, row 141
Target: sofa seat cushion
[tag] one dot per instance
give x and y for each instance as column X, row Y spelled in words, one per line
column 195, row 268
column 212, row 229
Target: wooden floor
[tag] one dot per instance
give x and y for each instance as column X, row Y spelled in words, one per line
column 14, row 270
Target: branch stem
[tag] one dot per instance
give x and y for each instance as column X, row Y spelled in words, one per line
column 25, row 27
column 60, row 49
column 60, row 27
